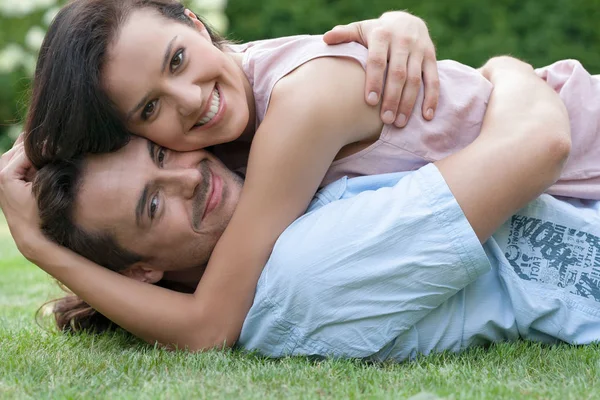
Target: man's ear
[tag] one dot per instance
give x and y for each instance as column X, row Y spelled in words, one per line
column 197, row 23
column 143, row 272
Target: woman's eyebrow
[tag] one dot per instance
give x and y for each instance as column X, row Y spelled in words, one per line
column 145, row 99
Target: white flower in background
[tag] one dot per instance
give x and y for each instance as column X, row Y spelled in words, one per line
column 212, row 11
column 14, row 131
column 49, row 16
column 18, row 8
column 208, row 4
column 11, row 57
column 34, row 38
column 14, row 56
column 29, row 62
column 216, row 19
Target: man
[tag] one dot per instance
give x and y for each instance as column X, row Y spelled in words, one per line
column 339, row 270
column 379, row 267
column 383, row 290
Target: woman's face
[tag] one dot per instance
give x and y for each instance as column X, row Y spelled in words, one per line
column 173, row 86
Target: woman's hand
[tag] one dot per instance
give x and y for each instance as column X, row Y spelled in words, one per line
column 403, row 40
column 17, row 200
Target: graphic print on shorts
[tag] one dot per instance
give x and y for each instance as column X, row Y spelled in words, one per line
column 553, row 254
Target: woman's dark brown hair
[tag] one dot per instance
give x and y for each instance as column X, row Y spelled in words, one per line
column 70, row 113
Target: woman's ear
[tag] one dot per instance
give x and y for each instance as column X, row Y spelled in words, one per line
column 197, row 23
column 143, row 272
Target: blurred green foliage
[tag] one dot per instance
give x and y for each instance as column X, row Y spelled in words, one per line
column 470, row 31
column 15, row 72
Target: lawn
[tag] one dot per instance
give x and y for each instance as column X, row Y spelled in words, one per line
column 37, row 362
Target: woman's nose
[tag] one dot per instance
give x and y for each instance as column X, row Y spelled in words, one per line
column 188, row 99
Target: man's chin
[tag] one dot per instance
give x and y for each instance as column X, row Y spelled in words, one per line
column 188, row 276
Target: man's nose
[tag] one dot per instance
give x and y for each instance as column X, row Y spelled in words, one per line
column 188, row 99
column 183, row 181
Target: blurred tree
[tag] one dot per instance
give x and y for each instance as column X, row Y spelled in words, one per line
column 470, row 31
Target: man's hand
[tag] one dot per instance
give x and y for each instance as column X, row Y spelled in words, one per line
column 403, row 40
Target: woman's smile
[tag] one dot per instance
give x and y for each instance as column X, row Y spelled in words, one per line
column 213, row 111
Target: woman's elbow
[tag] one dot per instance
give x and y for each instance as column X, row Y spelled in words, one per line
column 560, row 148
column 559, row 135
column 553, row 130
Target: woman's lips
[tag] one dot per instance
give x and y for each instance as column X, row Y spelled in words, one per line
column 216, row 194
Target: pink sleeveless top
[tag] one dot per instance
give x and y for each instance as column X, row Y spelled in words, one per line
column 464, row 94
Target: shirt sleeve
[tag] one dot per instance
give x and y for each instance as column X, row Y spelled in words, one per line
column 348, row 278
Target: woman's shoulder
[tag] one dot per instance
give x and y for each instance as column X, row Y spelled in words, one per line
column 266, row 62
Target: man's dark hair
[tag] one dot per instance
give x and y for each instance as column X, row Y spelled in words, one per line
column 56, row 188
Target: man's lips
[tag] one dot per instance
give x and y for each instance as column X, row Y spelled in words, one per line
column 215, row 193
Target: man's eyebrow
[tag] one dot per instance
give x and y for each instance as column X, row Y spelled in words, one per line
column 145, row 99
column 141, row 205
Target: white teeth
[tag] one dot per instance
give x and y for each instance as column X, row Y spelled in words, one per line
column 215, row 102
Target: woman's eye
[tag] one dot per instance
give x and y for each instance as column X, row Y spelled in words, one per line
column 153, row 207
column 160, row 157
column 148, row 110
column 177, row 60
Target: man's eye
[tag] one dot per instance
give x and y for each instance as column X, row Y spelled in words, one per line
column 177, row 60
column 148, row 110
column 153, row 206
column 160, row 156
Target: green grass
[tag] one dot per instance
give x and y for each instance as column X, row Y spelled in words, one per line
column 39, row 363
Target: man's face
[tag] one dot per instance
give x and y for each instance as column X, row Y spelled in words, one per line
column 168, row 207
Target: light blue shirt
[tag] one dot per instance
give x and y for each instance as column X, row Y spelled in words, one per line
column 388, row 267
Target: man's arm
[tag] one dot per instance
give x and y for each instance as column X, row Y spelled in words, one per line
column 349, row 277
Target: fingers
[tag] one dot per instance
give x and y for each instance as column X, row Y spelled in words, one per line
column 411, row 89
column 6, row 157
column 344, row 34
column 15, row 165
column 431, row 84
column 375, row 72
column 395, row 84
